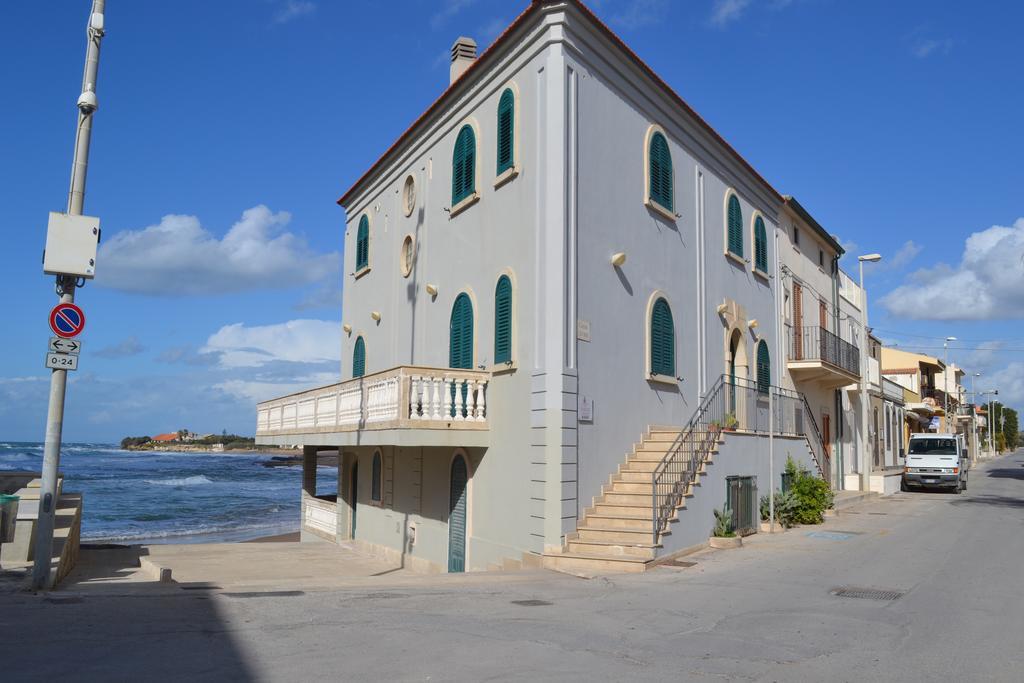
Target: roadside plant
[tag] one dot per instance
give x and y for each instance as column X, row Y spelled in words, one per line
column 810, row 496
column 785, row 508
column 723, row 524
column 731, row 423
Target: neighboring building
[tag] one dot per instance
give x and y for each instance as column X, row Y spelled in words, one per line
column 820, row 359
column 165, row 438
column 916, row 374
column 850, row 424
column 561, row 288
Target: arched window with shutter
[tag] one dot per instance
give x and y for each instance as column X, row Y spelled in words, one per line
column 460, row 337
column 506, row 130
column 659, row 171
column 363, row 244
column 734, row 226
column 503, row 320
column 359, row 358
column 760, row 245
column 663, row 346
column 764, row 368
column 464, row 165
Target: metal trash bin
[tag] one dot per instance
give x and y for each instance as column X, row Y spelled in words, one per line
column 8, row 517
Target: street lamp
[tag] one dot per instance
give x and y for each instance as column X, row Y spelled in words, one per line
column 974, row 418
column 865, row 474
column 945, row 381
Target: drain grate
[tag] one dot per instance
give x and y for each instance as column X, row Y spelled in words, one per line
column 532, row 603
column 264, row 594
column 867, row 593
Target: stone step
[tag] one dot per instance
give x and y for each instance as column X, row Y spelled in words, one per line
column 632, row 477
column 604, row 520
column 613, row 535
column 647, row 466
column 617, row 498
column 646, row 454
column 620, row 486
column 625, row 510
column 614, row 550
column 580, row 563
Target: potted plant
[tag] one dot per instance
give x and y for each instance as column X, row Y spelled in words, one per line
column 715, row 427
column 731, row 423
column 723, row 536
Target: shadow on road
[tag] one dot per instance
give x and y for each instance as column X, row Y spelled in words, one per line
column 1007, row 472
column 994, row 501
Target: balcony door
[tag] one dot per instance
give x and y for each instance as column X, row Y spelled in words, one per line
column 460, row 335
column 798, row 322
column 457, row 515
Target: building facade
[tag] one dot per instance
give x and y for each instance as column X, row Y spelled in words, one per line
column 561, row 315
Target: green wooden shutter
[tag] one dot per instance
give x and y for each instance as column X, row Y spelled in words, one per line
column 359, row 358
column 457, row 516
column 503, row 320
column 375, row 479
column 760, row 246
column 660, row 172
column 460, row 343
column 735, row 219
column 363, row 244
column 464, row 165
column 663, row 351
column 506, row 130
column 764, row 367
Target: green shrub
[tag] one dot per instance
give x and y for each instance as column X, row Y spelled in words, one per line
column 785, row 508
column 813, row 497
column 723, row 524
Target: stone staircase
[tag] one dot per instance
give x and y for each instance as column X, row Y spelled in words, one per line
column 615, row 534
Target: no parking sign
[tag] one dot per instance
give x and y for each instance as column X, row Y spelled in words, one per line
column 67, row 320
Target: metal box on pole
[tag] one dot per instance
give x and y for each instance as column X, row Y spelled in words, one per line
column 71, row 243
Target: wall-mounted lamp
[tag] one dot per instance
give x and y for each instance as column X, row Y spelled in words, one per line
column 347, row 328
column 431, row 290
column 753, row 323
column 376, row 316
column 618, row 259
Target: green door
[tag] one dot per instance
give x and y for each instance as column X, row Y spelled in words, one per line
column 457, row 517
column 354, row 496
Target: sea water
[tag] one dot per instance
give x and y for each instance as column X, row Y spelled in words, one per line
column 171, row 497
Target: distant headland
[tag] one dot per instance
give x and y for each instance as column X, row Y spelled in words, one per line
column 185, row 440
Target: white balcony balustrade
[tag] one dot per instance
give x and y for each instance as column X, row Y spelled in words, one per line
column 404, row 397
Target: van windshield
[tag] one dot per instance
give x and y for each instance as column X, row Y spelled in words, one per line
column 933, row 447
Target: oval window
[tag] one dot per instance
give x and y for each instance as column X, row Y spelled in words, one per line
column 409, row 195
column 408, row 255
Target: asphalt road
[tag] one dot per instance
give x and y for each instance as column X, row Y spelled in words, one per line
column 764, row 612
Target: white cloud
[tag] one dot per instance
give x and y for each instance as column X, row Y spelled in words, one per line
column 292, row 9
column 904, row 255
column 726, row 11
column 179, row 257
column 129, row 347
column 295, row 341
column 925, row 47
column 987, row 284
column 639, row 13
column 448, row 10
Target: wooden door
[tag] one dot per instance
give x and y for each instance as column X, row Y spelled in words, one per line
column 798, row 322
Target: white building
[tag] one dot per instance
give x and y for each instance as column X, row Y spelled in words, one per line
column 562, row 287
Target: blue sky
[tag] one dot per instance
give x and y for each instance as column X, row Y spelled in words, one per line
column 227, row 130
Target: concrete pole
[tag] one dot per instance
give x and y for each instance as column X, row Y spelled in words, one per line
column 974, row 420
column 865, row 472
column 48, row 494
column 945, row 382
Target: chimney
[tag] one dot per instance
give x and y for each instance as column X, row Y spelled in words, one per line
column 463, row 54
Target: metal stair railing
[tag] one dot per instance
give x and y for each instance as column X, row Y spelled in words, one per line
column 677, row 469
column 731, row 403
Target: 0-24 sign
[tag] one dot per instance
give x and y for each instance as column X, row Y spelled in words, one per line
column 61, row 361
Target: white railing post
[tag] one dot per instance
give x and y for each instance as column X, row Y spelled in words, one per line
column 451, row 399
column 481, row 404
column 413, row 388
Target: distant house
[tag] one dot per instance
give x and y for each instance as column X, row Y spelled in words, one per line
column 165, row 438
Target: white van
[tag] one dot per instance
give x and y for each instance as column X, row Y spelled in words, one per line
column 936, row 460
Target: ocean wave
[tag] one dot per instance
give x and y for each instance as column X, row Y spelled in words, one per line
column 197, row 480
column 199, row 533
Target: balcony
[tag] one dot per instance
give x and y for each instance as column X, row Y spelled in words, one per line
column 404, row 406
column 816, row 355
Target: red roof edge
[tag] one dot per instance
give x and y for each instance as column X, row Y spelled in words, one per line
column 475, row 66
